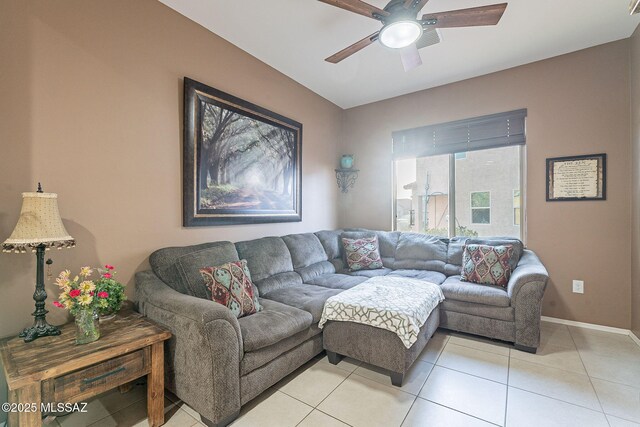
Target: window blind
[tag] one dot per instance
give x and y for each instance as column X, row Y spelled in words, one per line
column 478, row 133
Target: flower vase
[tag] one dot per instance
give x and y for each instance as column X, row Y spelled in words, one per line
column 87, row 326
column 346, row 161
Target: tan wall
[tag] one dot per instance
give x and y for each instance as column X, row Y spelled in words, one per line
column 635, row 190
column 91, row 105
column 578, row 104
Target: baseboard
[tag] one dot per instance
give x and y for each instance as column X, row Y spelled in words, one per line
column 634, row 337
column 587, row 325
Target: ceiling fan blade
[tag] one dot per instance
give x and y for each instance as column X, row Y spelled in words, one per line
column 410, row 57
column 358, row 7
column 347, row 52
column 429, row 37
column 475, row 16
column 416, row 5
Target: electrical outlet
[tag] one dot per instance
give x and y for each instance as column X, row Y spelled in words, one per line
column 578, row 287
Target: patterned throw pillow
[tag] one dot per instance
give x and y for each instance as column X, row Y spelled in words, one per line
column 362, row 254
column 486, row 265
column 230, row 285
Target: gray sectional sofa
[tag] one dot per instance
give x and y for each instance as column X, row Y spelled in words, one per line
column 217, row 363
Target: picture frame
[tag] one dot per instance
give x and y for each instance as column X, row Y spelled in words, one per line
column 577, row 178
column 242, row 164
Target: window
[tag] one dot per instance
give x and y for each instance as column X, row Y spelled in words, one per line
column 516, row 207
column 480, row 207
column 422, row 195
column 461, row 178
column 480, row 196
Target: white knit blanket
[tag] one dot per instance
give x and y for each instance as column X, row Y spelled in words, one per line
column 397, row 304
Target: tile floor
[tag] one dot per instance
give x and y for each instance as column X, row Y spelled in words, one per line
column 579, row 377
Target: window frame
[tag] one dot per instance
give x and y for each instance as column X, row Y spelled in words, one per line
column 477, row 207
column 519, row 217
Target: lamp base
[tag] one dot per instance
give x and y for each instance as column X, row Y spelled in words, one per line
column 40, row 326
column 38, row 331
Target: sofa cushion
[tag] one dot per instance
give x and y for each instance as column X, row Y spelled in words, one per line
column 489, row 311
column 269, row 262
column 274, row 323
column 314, row 270
column 230, row 285
column 308, row 255
column 426, row 275
column 486, row 265
column 280, row 280
column 455, row 249
column 518, row 247
column 305, row 249
column 265, row 257
column 421, row 252
column 362, row 253
column 179, row 267
column 453, row 288
column 337, row 281
column 255, row 359
column 330, row 240
column 309, row 298
column 387, row 243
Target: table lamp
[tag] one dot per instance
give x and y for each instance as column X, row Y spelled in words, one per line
column 39, row 228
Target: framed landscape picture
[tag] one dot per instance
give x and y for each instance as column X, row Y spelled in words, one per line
column 577, row 178
column 241, row 162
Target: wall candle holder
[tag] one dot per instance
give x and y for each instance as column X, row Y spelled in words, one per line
column 346, row 178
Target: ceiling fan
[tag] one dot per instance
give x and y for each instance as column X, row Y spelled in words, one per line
column 401, row 28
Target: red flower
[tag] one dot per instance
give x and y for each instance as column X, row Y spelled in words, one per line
column 107, row 275
column 103, row 294
column 57, row 304
column 74, row 293
column 91, row 293
column 109, row 267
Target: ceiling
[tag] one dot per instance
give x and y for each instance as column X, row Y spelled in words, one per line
column 294, row 37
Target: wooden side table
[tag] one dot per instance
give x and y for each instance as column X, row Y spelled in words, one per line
column 54, row 370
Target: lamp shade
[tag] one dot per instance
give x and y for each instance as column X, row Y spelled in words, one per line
column 39, row 224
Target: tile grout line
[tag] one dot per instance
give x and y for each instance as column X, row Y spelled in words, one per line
column 425, row 383
column 556, row 399
column 295, row 398
column 479, row 349
column 329, row 415
column 411, row 407
column 506, row 401
column 431, row 371
column 496, row 344
column 458, row 411
column 553, row 367
column 417, row 396
column 588, row 376
column 471, row 375
column 336, row 387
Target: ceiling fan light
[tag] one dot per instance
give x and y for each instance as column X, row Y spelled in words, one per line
column 399, row 34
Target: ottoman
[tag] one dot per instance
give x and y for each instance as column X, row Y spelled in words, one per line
column 377, row 346
column 384, row 321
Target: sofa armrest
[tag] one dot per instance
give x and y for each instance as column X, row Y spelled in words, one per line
column 526, row 289
column 529, row 270
column 204, row 353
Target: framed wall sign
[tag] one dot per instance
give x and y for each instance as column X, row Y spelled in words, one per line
column 577, row 178
column 241, row 162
